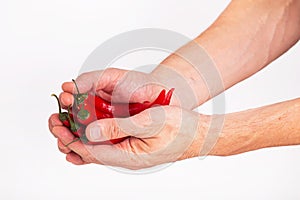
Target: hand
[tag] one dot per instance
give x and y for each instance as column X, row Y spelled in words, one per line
column 115, row 85
column 158, row 135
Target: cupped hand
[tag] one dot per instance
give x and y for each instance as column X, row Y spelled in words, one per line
column 158, row 135
column 115, row 85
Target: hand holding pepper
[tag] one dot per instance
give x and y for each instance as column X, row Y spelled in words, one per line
column 88, row 107
column 116, row 86
column 243, row 131
column 150, row 142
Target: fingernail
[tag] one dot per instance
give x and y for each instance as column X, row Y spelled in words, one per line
column 95, row 133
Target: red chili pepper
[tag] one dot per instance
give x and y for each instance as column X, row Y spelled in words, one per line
column 137, row 108
column 88, row 108
column 101, row 104
column 84, row 107
column 101, row 115
column 168, row 97
column 126, row 110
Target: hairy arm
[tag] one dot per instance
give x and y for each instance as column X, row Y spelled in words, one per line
column 245, row 38
column 268, row 126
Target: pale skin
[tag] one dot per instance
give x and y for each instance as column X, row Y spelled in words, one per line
column 269, row 28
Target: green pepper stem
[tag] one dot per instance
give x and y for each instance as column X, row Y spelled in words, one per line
column 76, row 86
column 72, row 123
column 77, row 139
column 59, row 106
column 69, row 107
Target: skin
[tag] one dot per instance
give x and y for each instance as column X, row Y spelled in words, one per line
column 269, row 28
column 245, row 38
column 180, row 134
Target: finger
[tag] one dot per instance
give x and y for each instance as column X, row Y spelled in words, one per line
column 112, row 155
column 54, row 121
column 146, row 124
column 66, row 99
column 95, row 80
column 62, row 147
column 67, row 137
column 68, row 87
column 75, row 159
column 85, row 82
column 103, row 130
column 139, row 87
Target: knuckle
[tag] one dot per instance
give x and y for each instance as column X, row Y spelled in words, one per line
column 83, row 76
column 114, row 131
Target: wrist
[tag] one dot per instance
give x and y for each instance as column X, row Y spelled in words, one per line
column 190, row 87
column 195, row 148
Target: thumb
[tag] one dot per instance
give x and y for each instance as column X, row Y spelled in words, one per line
column 144, row 125
column 103, row 130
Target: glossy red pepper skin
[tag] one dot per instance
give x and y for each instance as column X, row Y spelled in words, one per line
column 101, row 115
column 121, row 109
column 101, row 104
column 129, row 109
column 137, row 108
column 92, row 108
column 87, row 112
column 168, row 97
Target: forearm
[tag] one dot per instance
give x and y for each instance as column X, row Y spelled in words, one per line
column 246, row 37
column 268, row 126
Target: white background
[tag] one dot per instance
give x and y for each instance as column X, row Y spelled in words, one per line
column 44, row 43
